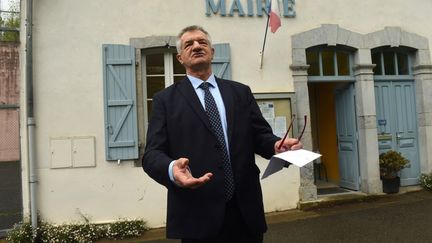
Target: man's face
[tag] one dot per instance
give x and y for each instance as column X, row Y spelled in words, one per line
column 196, row 51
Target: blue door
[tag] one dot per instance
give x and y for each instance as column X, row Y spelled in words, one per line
column 397, row 124
column 347, row 137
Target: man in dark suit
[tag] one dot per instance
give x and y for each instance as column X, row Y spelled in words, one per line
column 201, row 141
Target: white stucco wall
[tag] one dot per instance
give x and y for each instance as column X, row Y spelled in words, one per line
column 68, row 91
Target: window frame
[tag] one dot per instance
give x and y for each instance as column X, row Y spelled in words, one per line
column 168, row 76
column 395, row 50
column 336, row 77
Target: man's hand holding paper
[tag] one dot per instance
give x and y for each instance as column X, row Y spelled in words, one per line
column 298, row 157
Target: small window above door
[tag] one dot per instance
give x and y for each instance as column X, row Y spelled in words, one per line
column 391, row 61
column 329, row 62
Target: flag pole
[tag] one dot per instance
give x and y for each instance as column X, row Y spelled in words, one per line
column 265, row 37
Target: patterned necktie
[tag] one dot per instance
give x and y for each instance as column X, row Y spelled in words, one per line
column 215, row 121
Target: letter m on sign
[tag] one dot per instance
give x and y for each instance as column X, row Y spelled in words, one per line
column 121, row 130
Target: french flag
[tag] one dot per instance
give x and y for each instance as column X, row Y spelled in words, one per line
column 275, row 21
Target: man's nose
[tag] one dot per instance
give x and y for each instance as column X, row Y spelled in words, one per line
column 196, row 45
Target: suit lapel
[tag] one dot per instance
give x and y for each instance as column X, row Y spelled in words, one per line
column 187, row 90
column 228, row 99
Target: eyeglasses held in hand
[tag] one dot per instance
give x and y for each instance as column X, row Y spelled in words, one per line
column 289, row 128
column 304, row 126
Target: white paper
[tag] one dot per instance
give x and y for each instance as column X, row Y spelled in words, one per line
column 298, row 157
column 267, row 109
column 280, row 127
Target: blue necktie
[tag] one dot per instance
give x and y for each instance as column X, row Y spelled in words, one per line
column 215, row 121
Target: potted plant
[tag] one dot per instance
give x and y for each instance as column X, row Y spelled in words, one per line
column 391, row 163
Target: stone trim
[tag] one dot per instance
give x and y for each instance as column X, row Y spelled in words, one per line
column 153, row 41
column 299, row 68
column 395, row 37
column 363, row 69
column 422, row 69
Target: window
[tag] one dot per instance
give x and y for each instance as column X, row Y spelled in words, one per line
column 329, row 61
column 128, row 95
column 391, row 61
column 160, row 69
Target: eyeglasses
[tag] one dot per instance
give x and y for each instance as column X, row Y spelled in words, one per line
column 289, row 128
column 304, row 126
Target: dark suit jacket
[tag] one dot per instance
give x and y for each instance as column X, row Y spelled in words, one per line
column 179, row 127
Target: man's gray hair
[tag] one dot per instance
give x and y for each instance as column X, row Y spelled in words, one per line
column 189, row 29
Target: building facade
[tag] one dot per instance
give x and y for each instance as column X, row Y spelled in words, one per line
column 360, row 71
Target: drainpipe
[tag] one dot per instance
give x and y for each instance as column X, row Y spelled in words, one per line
column 30, row 114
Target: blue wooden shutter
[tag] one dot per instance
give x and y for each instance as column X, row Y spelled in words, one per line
column 121, row 130
column 221, row 63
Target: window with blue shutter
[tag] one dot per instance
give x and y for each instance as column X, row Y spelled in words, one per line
column 121, row 130
column 121, row 120
column 221, row 64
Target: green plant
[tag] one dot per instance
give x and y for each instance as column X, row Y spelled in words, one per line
column 11, row 22
column 125, row 229
column 76, row 233
column 21, row 233
column 426, row 181
column 391, row 162
column 70, row 233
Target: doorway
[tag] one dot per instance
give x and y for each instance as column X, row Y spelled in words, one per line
column 334, row 135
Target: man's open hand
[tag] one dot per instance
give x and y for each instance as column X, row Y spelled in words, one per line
column 183, row 176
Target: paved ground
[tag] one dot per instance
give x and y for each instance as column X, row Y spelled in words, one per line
column 392, row 218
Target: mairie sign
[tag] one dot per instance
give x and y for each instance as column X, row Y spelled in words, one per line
column 248, row 7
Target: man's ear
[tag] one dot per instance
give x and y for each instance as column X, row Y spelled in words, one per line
column 212, row 50
column 179, row 58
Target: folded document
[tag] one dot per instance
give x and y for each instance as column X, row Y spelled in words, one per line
column 298, row 157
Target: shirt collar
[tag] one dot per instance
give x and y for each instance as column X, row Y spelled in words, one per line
column 196, row 82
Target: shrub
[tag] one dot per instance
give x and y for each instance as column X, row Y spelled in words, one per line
column 426, row 181
column 125, row 229
column 391, row 162
column 74, row 233
column 21, row 233
column 70, row 233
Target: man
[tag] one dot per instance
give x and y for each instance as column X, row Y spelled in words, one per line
column 201, row 140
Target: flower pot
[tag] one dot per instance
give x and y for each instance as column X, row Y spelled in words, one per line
column 391, row 185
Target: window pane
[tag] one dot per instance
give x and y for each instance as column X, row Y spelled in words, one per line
column 343, row 63
column 179, row 77
column 155, row 63
column 389, row 63
column 376, row 59
column 149, row 107
column 402, row 60
column 154, row 84
column 178, row 68
column 312, row 60
column 328, row 63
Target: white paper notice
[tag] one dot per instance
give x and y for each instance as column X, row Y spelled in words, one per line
column 267, row 109
column 280, row 126
column 298, row 157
